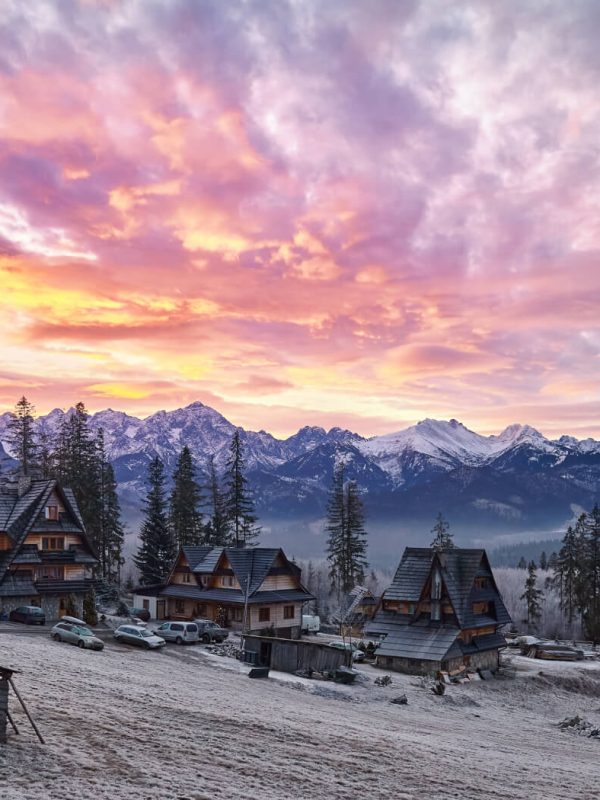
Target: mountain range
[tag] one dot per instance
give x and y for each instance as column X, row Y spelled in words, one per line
column 490, row 488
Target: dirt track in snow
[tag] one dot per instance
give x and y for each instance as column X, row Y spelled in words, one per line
column 131, row 725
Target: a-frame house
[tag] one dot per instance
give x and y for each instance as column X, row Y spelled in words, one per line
column 45, row 555
column 441, row 612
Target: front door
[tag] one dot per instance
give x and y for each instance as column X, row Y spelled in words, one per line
column 265, row 654
column 160, row 609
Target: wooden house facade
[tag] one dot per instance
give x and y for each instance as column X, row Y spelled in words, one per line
column 441, row 612
column 45, row 555
column 252, row 589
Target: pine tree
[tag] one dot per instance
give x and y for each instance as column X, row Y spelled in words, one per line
column 356, row 536
column 79, row 466
column 347, row 537
column 532, row 596
column 336, row 534
column 443, row 538
column 590, row 590
column 218, row 530
column 522, row 563
column 238, row 503
column 22, row 438
column 566, row 572
column 113, row 532
column 185, row 517
column 156, row 553
column 543, row 561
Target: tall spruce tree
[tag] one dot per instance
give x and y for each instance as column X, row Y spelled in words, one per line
column 112, row 533
column 78, row 465
column 590, row 592
column 347, row 537
column 239, row 507
column 157, row 550
column 566, row 574
column 185, row 517
column 218, row 529
column 532, row 596
column 442, row 537
column 22, row 437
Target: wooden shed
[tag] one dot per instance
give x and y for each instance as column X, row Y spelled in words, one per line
column 291, row 655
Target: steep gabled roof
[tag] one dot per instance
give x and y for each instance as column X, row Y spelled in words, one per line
column 196, row 553
column 25, row 511
column 410, row 575
column 251, row 565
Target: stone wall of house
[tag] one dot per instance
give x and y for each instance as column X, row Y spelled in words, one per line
column 486, row 660
column 410, row 666
column 50, row 604
column 8, row 604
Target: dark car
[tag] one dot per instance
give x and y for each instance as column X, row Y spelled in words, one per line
column 209, row 631
column 140, row 613
column 30, row 615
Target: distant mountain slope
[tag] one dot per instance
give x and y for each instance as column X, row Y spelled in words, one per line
column 513, row 482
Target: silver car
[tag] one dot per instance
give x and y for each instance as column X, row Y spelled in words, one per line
column 76, row 634
column 135, row 634
column 178, row 632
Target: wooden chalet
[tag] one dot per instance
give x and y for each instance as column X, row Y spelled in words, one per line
column 442, row 612
column 254, row 588
column 45, row 554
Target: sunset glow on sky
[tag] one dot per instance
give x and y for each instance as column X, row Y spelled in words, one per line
column 357, row 213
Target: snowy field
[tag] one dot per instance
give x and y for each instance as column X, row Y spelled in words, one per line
column 183, row 725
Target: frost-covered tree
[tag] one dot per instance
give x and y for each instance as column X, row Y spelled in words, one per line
column 442, row 537
column 239, row 507
column 347, row 537
column 22, row 438
column 185, row 517
column 217, row 531
column 590, row 589
column 532, row 596
column 156, row 553
column 566, row 574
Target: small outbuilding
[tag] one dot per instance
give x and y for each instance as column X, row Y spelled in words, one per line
column 291, row 655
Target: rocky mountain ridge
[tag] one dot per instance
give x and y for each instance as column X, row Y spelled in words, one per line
column 515, row 480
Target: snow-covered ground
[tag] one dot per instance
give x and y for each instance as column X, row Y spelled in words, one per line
column 179, row 723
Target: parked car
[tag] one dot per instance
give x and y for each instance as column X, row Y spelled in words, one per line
column 311, row 623
column 142, row 637
column 140, row 613
column 178, row 632
column 357, row 655
column 67, row 631
column 30, row 615
column 209, row 631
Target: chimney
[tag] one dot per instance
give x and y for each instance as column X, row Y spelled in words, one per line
column 24, row 485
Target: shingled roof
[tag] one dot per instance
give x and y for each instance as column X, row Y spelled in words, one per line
column 415, row 636
column 19, row 514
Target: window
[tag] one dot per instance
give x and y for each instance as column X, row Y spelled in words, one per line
column 264, row 614
column 176, row 626
column 204, row 580
column 201, row 610
column 179, row 606
column 237, row 614
column 53, row 543
column 146, row 604
column 289, row 612
column 46, row 573
column 227, row 581
column 187, row 577
column 52, row 513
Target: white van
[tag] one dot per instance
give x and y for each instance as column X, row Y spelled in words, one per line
column 311, row 623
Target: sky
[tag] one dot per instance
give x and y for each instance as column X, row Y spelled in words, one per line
column 355, row 212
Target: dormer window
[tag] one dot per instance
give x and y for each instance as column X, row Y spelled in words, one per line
column 52, row 513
